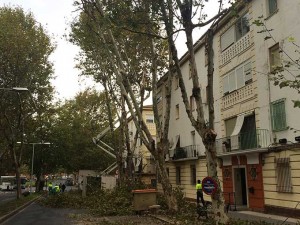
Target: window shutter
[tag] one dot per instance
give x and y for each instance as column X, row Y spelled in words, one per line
column 240, row 78
column 248, row 73
column 227, row 38
column 232, row 81
column 278, row 115
column 225, row 85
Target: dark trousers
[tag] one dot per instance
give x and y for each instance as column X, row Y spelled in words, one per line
column 200, row 196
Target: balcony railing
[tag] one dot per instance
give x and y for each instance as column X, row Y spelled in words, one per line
column 187, row 152
column 238, row 47
column 259, row 138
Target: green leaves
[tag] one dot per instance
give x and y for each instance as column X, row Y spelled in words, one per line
column 296, row 103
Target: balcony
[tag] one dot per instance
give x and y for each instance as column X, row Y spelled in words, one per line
column 259, row 138
column 238, row 96
column 186, row 153
column 237, row 48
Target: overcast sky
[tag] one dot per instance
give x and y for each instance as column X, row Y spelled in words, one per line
column 55, row 16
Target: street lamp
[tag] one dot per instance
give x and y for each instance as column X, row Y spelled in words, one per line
column 33, row 144
column 17, row 89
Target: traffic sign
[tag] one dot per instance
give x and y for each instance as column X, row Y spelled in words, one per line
column 209, row 185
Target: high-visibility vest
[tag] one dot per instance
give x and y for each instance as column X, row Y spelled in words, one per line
column 198, row 186
column 50, row 185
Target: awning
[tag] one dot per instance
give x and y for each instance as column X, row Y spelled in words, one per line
column 235, row 134
column 172, row 148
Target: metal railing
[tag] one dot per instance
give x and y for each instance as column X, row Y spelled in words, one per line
column 259, row 138
column 230, row 202
column 191, row 151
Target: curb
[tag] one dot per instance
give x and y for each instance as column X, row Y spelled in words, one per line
column 162, row 218
column 12, row 213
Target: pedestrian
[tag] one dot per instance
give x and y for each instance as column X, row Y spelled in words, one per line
column 63, row 187
column 199, row 193
column 50, row 187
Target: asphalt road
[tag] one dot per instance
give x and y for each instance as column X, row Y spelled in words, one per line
column 7, row 196
column 36, row 214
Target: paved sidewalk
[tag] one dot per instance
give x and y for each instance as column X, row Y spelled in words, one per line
column 256, row 216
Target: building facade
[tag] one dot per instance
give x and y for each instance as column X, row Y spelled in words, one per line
column 143, row 161
column 255, row 121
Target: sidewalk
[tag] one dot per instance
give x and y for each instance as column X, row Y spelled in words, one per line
column 256, row 216
column 247, row 216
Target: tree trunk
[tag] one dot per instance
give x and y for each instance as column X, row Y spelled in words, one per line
column 18, row 178
column 165, row 182
column 217, row 199
column 210, row 136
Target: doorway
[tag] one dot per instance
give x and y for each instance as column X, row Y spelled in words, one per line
column 240, row 185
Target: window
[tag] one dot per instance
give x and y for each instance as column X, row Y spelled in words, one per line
column 177, row 111
column 193, row 137
column 192, row 103
column 242, row 27
column 193, row 174
column 272, row 6
column 178, row 175
column 283, row 172
column 176, row 82
column 278, row 115
column 274, row 58
column 234, row 33
column 158, row 97
column 149, row 119
column 237, row 78
column 190, row 71
column 230, row 125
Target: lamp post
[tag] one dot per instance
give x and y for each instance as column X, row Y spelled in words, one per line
column 32, row 159
column 17, row 89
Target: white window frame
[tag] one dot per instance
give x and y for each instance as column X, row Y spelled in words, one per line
column 232, row 82
column 149, row 118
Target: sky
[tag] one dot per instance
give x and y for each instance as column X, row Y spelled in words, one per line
column 55, row 16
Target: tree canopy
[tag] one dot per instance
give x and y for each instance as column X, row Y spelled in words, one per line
column 25, row 48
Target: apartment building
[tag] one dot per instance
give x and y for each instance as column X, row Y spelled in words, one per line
column 255, row 121
column 143, row 161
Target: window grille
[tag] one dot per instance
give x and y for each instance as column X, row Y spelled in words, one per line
column 283, row 170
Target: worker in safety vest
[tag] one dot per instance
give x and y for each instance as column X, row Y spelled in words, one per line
column 199, row 193
column 56, row 189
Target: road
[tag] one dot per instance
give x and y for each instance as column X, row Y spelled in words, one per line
column 7, row 196
column 36, row 214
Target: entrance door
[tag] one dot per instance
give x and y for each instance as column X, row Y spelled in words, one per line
column 240, row 186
